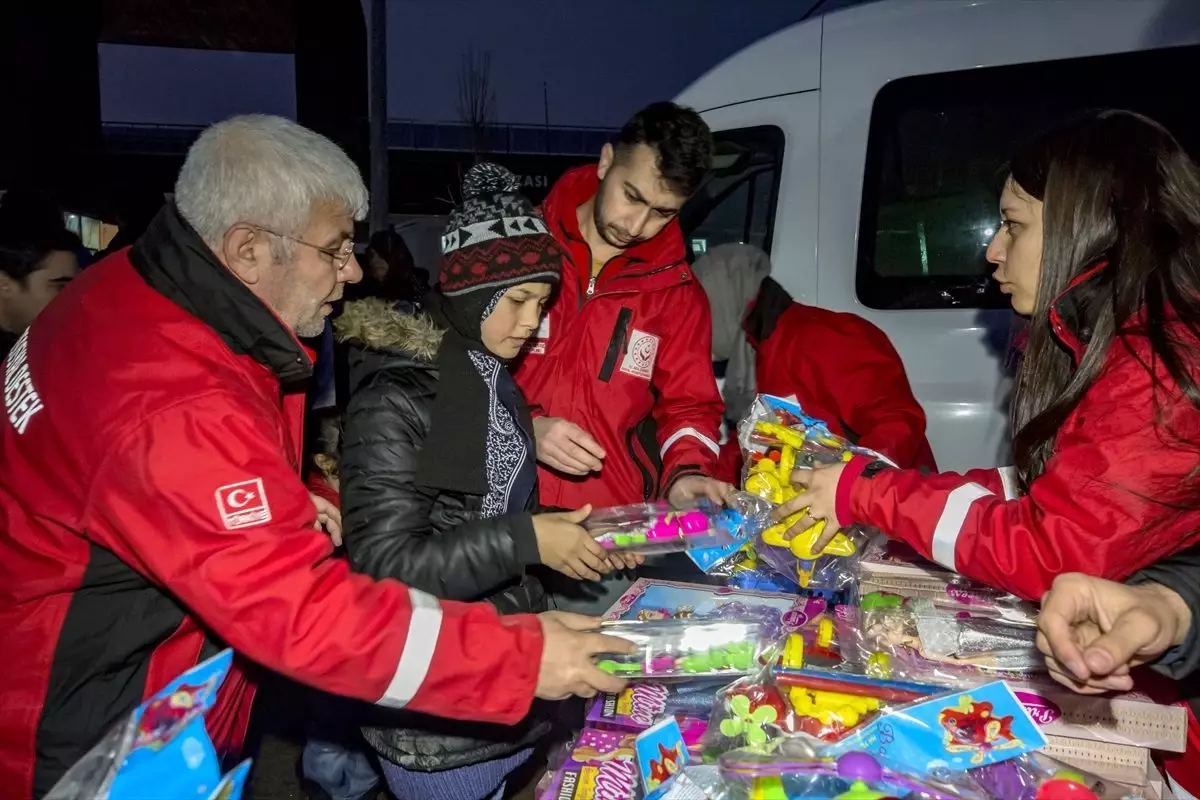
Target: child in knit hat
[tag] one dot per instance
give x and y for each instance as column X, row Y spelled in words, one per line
column 438, row 471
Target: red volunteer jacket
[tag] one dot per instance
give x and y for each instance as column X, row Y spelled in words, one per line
column 633, row 345
column 151, row 512
column 840, row 369
column 1103, row 506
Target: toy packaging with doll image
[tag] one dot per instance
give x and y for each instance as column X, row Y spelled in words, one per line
column 966, row 636
column 600, row 765
column 162, row 749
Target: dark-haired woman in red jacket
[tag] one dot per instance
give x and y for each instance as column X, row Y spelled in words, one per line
column 1100, row 247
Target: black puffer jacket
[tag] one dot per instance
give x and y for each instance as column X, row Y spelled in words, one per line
column 429, row 539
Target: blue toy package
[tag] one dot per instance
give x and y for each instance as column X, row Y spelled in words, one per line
column 661, row 754
column 162, row 749
column 955, row 732
column 743, row 518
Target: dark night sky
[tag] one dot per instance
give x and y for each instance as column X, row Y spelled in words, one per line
column 599, row 60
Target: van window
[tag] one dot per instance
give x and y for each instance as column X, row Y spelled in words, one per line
column 737, row 201
column 936, row 154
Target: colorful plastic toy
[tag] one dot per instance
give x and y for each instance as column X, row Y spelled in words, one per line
column 670, row 526
column 829, row 715
column 688, row 648
column 802, row 545
column 747, row 721
column 770, row 478
column 1065, row 785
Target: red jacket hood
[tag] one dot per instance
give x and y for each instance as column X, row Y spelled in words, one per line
column 578, row 186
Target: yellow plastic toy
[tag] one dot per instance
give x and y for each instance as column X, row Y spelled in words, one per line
column 801, row 545
column 793, row 652
column 825, row 632
column 768, row 788
column 772, row 481
column 879, row 665
column 830, row 708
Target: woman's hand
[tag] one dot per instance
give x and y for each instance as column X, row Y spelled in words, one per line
column 817, row 498
column 566, row 546
column 1093, row 631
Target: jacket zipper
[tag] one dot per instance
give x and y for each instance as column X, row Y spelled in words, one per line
column 591, row 286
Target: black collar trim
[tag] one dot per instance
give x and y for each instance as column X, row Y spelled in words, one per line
column 175, row 261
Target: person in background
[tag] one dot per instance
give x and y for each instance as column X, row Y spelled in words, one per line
column 38, row 257
column 1107, row 407
column 1094, row 632
column 152, row 506
column 390, row 271
column 840, row 368
column 1099, row 245
column 619, row 377
column 439, row 475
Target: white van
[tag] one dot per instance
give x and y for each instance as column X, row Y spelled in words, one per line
column 865, row 150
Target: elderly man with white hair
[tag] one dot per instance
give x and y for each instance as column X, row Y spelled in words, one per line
column 150, row 507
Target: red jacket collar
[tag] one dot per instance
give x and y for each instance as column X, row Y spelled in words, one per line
column 1066, row 313
column 579, row 185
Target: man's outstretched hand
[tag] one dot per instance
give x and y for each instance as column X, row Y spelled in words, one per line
column 571, row 643
column 566, row 447
column 1093, row 631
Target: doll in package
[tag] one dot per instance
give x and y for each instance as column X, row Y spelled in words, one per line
column 162, row 749
column 949, row 640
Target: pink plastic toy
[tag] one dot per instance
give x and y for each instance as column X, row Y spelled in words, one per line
column 677, row 524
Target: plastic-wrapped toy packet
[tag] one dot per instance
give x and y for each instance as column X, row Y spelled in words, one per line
column 777, row 438
column 941, row 641
column 774, row 422
column 931, row 748
column 749, row 713
column 687, row 648
column 659, row 528
column 161, row 750
column 793, row 554
column 772, row 705
column 851, row 776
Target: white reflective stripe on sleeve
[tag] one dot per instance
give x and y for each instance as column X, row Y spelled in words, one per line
column 423, row 630
column 949, row 524
column 682, row 432
column 1008, row 477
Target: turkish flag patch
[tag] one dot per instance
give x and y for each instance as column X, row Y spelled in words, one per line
column 243, row 504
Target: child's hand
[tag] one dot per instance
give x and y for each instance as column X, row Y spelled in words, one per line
column 329, row 518
column 564, row 545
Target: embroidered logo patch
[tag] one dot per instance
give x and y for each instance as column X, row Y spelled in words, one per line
column 243, row 504
column 640, row 354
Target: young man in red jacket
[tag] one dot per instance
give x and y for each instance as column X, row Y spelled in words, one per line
column 151, row 509
column 619, row 378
